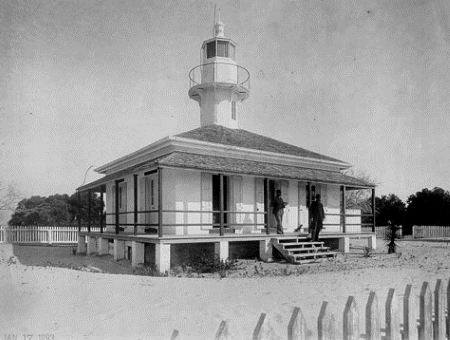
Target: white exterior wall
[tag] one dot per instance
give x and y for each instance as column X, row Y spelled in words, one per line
column 333, row 206
column 242, row 200
column 129, row 219
column 181, row 191
column 353, row 220
column 192, row 191
column 290, row 193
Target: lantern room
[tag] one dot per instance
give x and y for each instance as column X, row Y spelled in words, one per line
column 218, row 84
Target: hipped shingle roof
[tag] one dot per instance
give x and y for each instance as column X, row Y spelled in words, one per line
column 241, row 138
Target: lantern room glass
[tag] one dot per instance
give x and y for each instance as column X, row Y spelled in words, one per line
column 219, row 48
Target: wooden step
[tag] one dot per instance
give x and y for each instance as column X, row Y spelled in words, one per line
column 293, row 240
column 317, row 256
column 308, row 250
column 298, row 251
column 327, row 254
column 304, row 244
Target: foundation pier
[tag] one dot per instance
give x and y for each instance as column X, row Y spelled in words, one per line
column 137, row 253
column 119, row 249
column 81, row 247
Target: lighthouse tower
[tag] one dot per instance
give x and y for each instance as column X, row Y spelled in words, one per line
column 219, row 84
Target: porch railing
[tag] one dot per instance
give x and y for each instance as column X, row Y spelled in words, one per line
column 200, row 222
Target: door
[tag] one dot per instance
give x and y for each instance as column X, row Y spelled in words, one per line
column 217, row 196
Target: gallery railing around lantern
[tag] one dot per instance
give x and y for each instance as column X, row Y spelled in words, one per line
column 220, row 72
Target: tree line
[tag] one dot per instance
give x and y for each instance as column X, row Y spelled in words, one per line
column 426, row 207
column 57, row 210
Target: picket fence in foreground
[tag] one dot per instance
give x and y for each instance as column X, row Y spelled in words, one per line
column 428, row 324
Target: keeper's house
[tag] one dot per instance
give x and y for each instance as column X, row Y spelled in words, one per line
column 211, row 188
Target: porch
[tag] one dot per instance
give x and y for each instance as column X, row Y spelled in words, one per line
column 185, row 202
column 164, row 252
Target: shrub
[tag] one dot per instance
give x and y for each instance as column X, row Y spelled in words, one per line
column 392, row 238
column 148, row 270
column 205, row 263
column 368, row 251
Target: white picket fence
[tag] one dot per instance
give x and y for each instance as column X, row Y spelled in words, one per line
column 429, row 322
column 381, row 231
column 41, row 234
column 420, row 231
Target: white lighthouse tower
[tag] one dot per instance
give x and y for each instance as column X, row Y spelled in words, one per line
column 219, row 84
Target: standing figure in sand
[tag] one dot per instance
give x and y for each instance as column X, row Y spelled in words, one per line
column 317, row 215
column 278, row 211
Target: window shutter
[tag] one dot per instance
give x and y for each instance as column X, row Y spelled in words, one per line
column 206, row 197
column 237, row 198
column 259, row 199
column 113, row 203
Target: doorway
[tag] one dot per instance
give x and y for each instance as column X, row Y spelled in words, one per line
column 269, row 189
column 217, row 195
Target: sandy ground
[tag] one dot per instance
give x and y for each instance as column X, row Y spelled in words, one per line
column 47, row 290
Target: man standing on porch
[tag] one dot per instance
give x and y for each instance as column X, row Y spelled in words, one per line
column 278, row 211
column 317, row 217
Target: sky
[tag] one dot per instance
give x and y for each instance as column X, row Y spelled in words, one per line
column 364, row 81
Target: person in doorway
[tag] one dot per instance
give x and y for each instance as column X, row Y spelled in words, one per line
column 317, row 214
column 278, row 211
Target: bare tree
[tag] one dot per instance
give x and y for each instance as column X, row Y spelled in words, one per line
column 9, row 196
column 360, row 198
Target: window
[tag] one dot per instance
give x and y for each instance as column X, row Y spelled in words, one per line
column 222, row 48
column 233, row 110
column 231, row 51
column 211, row 49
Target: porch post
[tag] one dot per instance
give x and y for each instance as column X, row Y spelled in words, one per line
column 135, row 203
column 373, row 209
column 79, row 211
column 221, row 204
column 138, row 253
column 117, row 207
column 162, row 257
column 160, row 203
column 267, row 203
column 89, row 210
column 309, row 195
column 221, row 249
column 308, row 205
column 119, row 249
column 103, row 246
column 344, row 208
column 81, row 247
column 101, row 210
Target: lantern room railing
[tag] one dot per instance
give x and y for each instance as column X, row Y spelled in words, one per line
column 220, row 72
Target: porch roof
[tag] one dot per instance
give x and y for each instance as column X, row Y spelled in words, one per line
column 261, row 169
column 238, row 167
